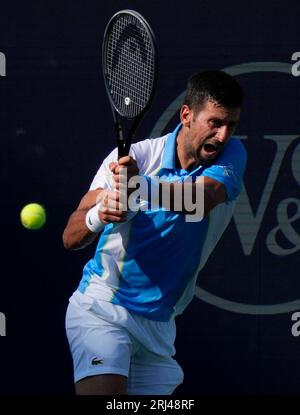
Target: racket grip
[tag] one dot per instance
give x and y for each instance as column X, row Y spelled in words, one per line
column 122, row 149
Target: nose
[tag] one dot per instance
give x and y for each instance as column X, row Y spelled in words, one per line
column 223, row 134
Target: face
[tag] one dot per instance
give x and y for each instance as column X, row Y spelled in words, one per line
column 207, row 131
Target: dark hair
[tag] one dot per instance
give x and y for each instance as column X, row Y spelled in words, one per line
column 215, row 86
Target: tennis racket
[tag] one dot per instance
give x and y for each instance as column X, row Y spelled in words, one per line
column 130, row 66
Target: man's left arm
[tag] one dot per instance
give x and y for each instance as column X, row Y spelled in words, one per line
column 221, row 182
column 224, row 178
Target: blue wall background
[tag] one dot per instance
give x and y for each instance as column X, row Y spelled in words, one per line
column 56, row 127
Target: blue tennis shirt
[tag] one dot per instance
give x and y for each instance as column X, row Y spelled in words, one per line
column 150, row 263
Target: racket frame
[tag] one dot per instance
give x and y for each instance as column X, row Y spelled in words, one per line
column 123, row 143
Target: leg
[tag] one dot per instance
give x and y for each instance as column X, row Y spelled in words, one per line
column 151, row 374
column 102, row 385
column 101, row 353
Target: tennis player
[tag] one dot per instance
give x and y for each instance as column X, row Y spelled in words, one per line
column 120, row 321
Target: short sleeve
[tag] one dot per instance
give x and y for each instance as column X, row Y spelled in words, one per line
column 103, row 178
column 229, row 168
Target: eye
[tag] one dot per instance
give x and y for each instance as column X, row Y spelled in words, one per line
column 215, row 123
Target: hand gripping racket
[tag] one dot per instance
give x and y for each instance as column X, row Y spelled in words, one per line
column 129, row 65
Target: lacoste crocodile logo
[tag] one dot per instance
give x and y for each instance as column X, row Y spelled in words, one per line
column 96, row 361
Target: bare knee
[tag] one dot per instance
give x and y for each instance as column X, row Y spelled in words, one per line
column 107, row 384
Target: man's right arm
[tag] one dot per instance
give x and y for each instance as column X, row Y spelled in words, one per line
column 76, row 234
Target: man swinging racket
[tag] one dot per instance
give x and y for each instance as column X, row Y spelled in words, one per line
column 121, row 320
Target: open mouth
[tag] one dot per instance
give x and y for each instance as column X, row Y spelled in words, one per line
column 210, row 148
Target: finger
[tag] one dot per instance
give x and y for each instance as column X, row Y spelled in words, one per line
column 119, row 178
column 112, row 217
column 105, row 196
column 126, row 161
column 113, row 212
column 112, row 166
column 121, row 188
column 120, row 169
column 111, row 205
column 116, row 178
column 114, row 205
column 113, row 195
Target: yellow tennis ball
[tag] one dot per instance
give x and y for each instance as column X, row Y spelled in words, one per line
column 33, row 216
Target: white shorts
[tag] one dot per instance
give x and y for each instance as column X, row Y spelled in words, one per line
column 106, row 338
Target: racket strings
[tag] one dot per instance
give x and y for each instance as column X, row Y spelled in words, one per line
column 130, row 69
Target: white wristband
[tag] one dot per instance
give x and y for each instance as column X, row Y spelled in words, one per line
column 93, row 221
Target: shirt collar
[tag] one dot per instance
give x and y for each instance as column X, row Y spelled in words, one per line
column 168, row 160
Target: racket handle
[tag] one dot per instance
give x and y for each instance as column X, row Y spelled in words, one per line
column 123, row 145
column 122, row 150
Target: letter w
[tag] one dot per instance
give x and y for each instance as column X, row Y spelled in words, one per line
column 247, row 222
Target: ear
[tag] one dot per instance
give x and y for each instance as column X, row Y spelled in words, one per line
column 186, row 115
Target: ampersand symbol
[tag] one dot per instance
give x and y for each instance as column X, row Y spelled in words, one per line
column 285, row 226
